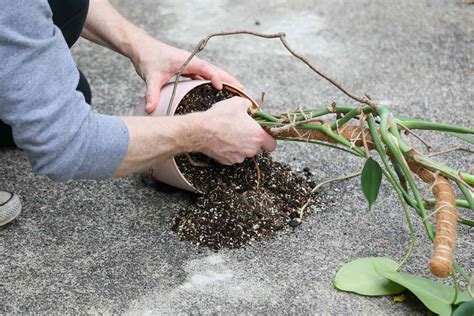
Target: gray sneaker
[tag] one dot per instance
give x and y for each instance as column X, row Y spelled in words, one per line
column 10, row 207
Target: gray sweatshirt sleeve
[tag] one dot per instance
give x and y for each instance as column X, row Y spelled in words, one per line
column 51, row 121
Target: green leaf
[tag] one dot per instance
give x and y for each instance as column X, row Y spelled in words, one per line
column 370, row 180
column 436, row 296
column 359, row 276
column 465, row 309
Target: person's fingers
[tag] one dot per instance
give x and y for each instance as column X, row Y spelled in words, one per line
column 227, row 78
column 212, row 73
column 269, row 143
column 197, row 77
column 152, row 97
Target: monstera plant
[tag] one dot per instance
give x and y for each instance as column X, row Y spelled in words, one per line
column 369, row 130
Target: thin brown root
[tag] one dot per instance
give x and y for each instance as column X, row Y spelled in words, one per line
column 262, row 99
column 259, row 172
column 421, row 139
column 317, row 187
column 195, row 163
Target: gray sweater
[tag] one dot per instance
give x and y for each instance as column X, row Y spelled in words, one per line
column 62, row 138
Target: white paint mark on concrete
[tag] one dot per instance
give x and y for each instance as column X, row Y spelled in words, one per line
column 207, row 278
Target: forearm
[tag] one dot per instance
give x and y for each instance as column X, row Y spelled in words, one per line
column 107, row 27
column 155, row 139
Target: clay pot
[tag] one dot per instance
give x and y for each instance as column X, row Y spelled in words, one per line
column 168, row 171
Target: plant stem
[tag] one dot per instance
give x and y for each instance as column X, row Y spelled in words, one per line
column 465, row 221
column 409, row 222
column 420, row 124
column 317, row 187
column 458, row 268
column 468, row 195
column 456, row 287
column 462, row 203
column 389, row 174
column 346, row 177
column 464, row 138
column 389, row 141
column 266, row 116
column 312, row 141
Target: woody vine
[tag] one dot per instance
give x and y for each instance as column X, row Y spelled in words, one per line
column 368, row 129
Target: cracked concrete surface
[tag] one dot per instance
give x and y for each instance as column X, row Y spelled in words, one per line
column 106, row 247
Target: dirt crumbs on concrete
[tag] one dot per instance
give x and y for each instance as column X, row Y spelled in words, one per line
column 236, row 207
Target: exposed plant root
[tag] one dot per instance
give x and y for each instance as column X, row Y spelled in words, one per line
column 446, row 228
column 350, row 132
column 424, row 174
column 195, row 163
column 258, row 171
column 357, row 135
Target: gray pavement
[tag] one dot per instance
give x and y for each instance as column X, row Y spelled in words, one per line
column 93, row 247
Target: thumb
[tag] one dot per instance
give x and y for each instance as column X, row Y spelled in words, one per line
column 152, row 97
column 244, row 103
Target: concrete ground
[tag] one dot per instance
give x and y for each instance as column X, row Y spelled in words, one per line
column 91, row 247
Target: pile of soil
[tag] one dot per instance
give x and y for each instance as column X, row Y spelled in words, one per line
column 239, row 204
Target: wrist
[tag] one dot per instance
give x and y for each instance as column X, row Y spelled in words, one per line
column 137, row 46
column 199, row 132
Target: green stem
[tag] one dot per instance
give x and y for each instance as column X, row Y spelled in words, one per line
column 467, row 194
column 458, row 268
column 431, row 202
column 409, row 222
column 312, row 141
column 266, row 116
column 456, row 287
column 350, row 115
column 381, row 150
column 403, row 182
column 464, row 138
column 465, row 221
column 420, row 124
column 391, row 176
column 445, row 170
column 395, row 150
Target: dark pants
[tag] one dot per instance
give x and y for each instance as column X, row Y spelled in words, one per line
column 69, row 16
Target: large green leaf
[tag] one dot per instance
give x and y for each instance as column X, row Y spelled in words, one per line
column 370, row 180
column 436, row 296
column 465, row 309
column 359, row 276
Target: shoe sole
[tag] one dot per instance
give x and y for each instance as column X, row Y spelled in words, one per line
column 11, row 209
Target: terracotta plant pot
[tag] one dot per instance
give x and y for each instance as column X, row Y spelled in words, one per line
column 168, row 171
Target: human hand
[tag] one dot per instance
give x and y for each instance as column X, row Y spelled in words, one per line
column 232, row 134
column 156, row 63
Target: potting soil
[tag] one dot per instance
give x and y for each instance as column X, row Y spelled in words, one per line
column 239, row 204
